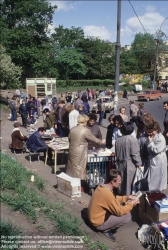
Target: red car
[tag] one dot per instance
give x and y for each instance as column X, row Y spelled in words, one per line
column 150, row 94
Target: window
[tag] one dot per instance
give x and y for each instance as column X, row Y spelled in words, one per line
column 166, row 62
column 48, row 86
column 160, row 61
column 160, row 77
column 166, row 77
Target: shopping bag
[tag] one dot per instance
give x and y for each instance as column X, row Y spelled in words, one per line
column 138, row 174
column 142, row 184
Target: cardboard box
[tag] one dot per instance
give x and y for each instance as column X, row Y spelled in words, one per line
column 144, row 218
column 142, row 201
column 68, row 185
column 155, row 215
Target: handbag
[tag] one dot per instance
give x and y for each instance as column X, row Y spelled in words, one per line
column 104, row 117
column 142, row 184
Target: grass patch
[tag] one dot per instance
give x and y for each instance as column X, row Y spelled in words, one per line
column 13, row 174
column 31, row 202
column 7, row 230
column 4, row 107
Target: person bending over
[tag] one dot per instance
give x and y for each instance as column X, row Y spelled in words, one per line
column 35, row 143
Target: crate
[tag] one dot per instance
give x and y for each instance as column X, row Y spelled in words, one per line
column 68, row 185
column 97, row 169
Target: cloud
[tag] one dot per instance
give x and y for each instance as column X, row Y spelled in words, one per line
column 63, row 5
column 150, row 20
column 97, row 31
column 150, row 8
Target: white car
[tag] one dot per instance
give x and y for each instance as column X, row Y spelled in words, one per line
column 109, row 104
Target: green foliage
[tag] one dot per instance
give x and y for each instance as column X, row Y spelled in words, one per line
column 69, row 63
column 92, row 83
column 9, row 73
column 128, row 63
column 29, row 202
column 11, row 168
column 68, row 224
column 24, row 33
column 144, row 49
column 6, row 230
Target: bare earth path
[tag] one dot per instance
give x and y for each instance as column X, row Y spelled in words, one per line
column 126, row 236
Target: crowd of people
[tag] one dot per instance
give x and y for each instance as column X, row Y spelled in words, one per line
column 136, row 141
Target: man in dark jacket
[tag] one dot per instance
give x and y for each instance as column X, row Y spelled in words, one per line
column 24, row 113
column 62, row 126
column 35, row 143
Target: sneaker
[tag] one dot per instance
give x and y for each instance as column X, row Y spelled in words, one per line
column 107, row 235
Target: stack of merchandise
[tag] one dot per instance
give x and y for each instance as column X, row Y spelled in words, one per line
column 164, row 228
column 162, row 205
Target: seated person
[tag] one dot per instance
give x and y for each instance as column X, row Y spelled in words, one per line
column 35, row 143
column 107, row 211
column 17, row 138
column 50, row 119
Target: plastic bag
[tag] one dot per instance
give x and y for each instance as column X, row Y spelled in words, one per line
column 144, row 233
column 138, row 176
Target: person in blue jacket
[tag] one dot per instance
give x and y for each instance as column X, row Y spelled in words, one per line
column 35, row 143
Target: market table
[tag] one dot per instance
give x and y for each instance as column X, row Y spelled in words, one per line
column 57, row 144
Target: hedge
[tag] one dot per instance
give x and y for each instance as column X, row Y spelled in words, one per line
column 93, row 82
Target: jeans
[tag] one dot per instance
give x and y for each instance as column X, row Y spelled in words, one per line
column 62, row 132
column 13, row 117
column 24, row 121
column 101, row 117
column 35, row 115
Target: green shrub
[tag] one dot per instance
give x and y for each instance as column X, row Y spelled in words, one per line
column 6, row 230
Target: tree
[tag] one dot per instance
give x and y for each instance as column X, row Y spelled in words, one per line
column 9, row 73
column 144, row 47
column 69, row 64
column 67, row 38
column 128, row 63
column 24, row 33
column 99, row 58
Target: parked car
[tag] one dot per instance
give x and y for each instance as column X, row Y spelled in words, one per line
column 150, row 94
column 109, row 104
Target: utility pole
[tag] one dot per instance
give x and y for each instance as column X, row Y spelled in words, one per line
column 156, row 64
column 117, row 63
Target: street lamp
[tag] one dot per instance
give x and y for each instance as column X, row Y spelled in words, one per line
column 156, row 64
column 159, row 35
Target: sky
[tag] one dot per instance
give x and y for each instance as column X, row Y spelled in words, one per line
column 99, row 18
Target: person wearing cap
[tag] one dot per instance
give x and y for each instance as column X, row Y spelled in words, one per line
column 50, row 119
column 18, row 139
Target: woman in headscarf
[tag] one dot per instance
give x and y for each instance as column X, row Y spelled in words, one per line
column 18, row 139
